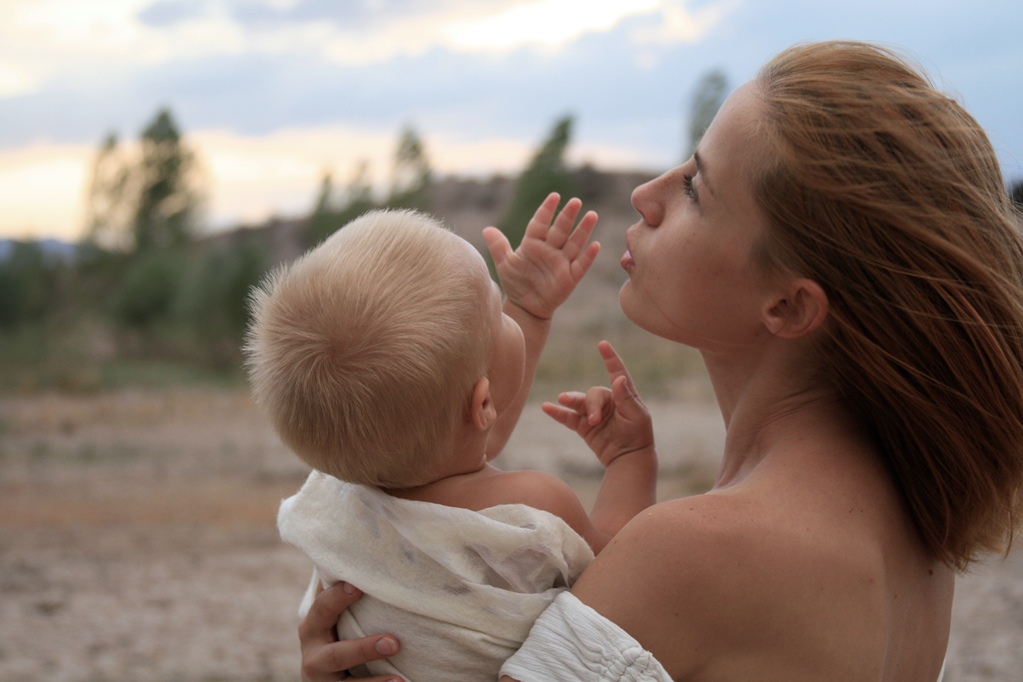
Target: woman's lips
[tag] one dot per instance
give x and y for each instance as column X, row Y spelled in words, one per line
column 627, row 261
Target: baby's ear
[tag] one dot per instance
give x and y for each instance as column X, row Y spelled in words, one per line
column 482, row 413
column 799, row 310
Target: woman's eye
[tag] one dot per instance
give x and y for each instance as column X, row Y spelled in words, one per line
column 687, row 187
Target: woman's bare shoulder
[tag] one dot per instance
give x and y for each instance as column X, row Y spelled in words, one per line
column 713, row 580
column 689, row 533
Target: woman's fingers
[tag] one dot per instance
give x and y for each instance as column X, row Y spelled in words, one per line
column 318, row 625
column 326, row 609
column 324, row 659
column 329, row 663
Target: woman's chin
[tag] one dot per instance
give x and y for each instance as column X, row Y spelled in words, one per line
column 623, row 296
column 631, row 308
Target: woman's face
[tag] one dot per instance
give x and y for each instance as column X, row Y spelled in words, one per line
column 691, row 277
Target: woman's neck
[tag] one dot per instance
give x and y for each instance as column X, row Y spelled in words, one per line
column 766, row 402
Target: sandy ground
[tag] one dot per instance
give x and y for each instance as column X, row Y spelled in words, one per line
column 137, row 538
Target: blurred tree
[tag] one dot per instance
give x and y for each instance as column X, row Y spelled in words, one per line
column 149, row 289
column 28, row 282
column 150, row 201
column 411, row 175
column 331, row 212
column 711, row 91
column 547, row 172
column 214, row 303
column 359, row 190
column 325, row 197
column 106, row 204
column 591, row 184
column 166, row 210
column 322, row 219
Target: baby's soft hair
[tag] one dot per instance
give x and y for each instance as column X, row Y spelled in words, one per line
column 888, row 194
column 364, row 351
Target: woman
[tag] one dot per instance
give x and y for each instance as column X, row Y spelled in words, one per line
column 842, row 252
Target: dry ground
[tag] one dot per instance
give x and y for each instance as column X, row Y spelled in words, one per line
column 137, row 538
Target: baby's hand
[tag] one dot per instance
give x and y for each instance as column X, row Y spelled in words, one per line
column 613, row 421
column 551, row 260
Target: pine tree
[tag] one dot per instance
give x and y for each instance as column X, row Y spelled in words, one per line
column 152, row 199
column 106, row 209
column 411, row 176
column 331, row 212
column 167, row 205
column 547, row 172
column 708, row 96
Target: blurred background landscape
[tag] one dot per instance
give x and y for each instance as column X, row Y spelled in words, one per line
column 138, row 483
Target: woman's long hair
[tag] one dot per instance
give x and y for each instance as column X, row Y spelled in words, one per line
column 888, row 194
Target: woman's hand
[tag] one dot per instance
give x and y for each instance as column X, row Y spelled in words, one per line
column 613, row 421
column 324, row 658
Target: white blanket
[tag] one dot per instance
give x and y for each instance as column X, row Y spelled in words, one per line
column 571, row 641
column 460, row 589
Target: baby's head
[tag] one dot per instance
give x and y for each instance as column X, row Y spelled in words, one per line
column 364, row 350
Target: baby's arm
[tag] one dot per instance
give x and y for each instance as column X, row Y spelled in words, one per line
column 537, row 277
column 617, row 427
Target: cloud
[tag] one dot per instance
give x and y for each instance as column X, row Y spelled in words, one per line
column 679, row 24
column 255, row 176
column 481, row 82
column 44, row 186
column 546, row 22
column 169, row 13
column 18, row 79
column 41, row 38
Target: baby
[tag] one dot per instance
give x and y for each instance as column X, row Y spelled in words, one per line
column 387, row 360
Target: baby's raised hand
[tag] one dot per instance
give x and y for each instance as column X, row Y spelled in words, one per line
column 613, row 421
column 553, row 257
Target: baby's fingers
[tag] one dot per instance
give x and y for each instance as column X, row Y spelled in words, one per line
column 558, row 236
column 563, row 415
column 581, row 265
column 576, row 242
column 498, row 245
column 627, row 401
column 614, row 364
column 540, row 224
column 597, row 403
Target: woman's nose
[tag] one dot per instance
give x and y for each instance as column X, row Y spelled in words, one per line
column 647, row 200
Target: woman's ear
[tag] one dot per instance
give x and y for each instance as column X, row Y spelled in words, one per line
column 800, row 310
column 482, row 413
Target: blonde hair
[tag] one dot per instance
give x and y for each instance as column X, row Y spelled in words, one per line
column 364, row 351
column 888, row 194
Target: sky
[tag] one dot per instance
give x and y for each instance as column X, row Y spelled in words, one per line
column 270, row 94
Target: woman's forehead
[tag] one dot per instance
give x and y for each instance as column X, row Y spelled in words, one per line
column 730, row 141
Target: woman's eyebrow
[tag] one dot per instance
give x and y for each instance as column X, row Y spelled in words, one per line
column 702, row 170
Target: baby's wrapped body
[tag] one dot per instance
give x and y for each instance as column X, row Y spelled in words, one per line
column 459, row 589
